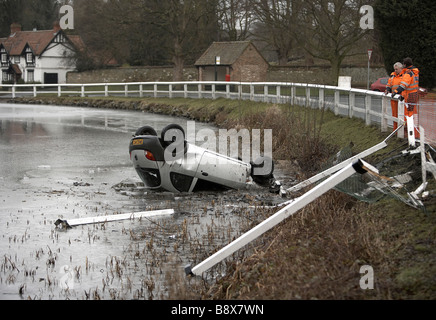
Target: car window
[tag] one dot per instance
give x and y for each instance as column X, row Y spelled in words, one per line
column 384, row 81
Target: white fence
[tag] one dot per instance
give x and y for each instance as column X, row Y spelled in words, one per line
column 373, row 107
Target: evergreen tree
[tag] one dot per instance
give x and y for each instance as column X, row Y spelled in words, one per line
column 31, row 14
column 408, row 29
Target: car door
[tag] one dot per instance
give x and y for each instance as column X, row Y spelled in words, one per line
column 223, row 170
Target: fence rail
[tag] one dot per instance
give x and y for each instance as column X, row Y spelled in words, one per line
column 373, row 107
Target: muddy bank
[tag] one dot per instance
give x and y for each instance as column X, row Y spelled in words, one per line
column 143, row 105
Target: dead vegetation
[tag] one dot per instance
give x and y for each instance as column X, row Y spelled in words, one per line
column 318, row 253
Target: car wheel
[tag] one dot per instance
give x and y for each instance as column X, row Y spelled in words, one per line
column 146, row 131
column 171, row 133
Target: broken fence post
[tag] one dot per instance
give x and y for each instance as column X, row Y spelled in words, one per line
column 115, row 217
column 357, row 166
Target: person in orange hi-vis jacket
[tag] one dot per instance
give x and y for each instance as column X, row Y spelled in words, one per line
column 408, row 89
column 393, row 84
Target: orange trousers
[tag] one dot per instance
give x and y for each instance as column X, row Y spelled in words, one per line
column 394, row 107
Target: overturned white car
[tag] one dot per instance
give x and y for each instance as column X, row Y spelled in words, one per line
column 169, row 162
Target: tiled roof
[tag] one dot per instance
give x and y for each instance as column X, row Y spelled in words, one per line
column 228, row 52
column 37, row 40
column 77, row 42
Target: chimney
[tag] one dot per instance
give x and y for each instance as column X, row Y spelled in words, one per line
column 15, row 27
column 56, row 26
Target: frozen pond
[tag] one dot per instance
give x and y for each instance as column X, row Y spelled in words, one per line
column 64, row 162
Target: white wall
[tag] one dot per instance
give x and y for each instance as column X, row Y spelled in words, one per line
column 55, row 60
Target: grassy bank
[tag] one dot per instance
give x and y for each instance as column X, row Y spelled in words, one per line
column 318, row 253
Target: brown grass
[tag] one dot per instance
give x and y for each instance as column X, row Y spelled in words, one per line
column 296, row 134
column 316, row 254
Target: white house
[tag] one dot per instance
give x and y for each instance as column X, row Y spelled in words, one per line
column 43, row 56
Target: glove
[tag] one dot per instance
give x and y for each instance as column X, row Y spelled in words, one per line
column 401, row 98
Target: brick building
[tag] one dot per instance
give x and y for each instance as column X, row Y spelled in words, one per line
column 232, row 61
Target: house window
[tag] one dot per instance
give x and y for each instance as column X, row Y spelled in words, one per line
column 59, row 38
column 6, row 76
column 4, row 58
column 30, row 76
column 29, row 57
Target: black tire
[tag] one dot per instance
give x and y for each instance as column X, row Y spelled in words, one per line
column 146, row 131
column 174, row 130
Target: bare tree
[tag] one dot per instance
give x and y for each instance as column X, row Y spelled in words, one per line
column 30, row 14
column 235, row 18
column 276, row 23
column 186, row 23
column 330, row 30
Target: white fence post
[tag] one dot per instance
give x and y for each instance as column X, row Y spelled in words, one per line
column 337, row 100
column 368, row 103
column 307, row 103
column 265, row 93
column 400, row 133
column 278, row 97
column 251, row 92
column 384, row 112
column 352, row 104
column 276, row 218
column 321, row 98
